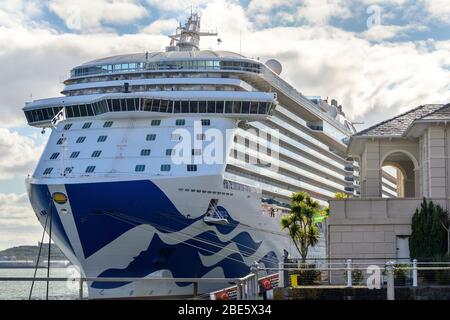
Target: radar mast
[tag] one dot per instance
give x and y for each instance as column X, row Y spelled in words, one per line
column 187, row 37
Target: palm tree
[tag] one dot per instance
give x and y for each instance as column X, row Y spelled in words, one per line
column 299, row 223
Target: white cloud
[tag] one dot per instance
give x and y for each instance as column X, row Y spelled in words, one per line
column 256, row 6
column 84, row 15
column 19, row 12
column 439, row 9
column 18, row 222
column 319, row 12
column 18, row 154
column 15, row 210
column 178, row 5
column 161, row 26
column 385, row 32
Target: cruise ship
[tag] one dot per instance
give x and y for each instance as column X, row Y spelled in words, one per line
column 180, row 164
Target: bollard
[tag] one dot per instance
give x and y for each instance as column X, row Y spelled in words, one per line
column 280, row 275
column 195, row 293
column 294, row 281
column 286, row 273
column 255, row 281
column 349, row 273
column 238, row 290
column 414, row 273
column 390, row 280
column 81, row 289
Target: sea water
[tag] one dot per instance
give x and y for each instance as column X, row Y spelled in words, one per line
column 19, row 290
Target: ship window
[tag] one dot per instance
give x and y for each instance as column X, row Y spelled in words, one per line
column 196, row 152
column 147, row 105
column 69, row 112
column 102, row 138
column 253, row 107
column 170, row 152
column 116, row 105
column 201, row 136
column 68, row 170
column 151, row 137
column 130, row 105
column 193, row 106
column 237, row 106
column 87, row 125
column 139, row 167
column 80, row 139
column 211, row 106
column 67, row 126
column 76, row 111
column 48, row 171
column 29, row 116
column 202, row 106
column 83, row 110
column 228, row 106
column 54, row 156
column 163, row 106
column 245, row 107
column 156, row 122
column 137, row 104
column 180, row 122
column 145, row 152
column 90, row 113
column 96, row 154
column 165, row 167
column 219, row 106
column 60, row 141
column 90, row 169
column 175, row 137
column 206, row 122
column 75, row 154
column 177, row 106
column 108, row 124
column 155, row 105
column 185, row 106
column 263, row 107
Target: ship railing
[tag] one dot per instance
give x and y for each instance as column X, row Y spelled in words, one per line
column 247, row 286
column 231, row 185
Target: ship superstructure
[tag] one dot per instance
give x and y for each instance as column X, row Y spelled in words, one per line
column 138, row 183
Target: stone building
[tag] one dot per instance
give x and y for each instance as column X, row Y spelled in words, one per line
column 417, row 144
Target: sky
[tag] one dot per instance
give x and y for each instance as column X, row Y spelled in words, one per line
column 376, row 57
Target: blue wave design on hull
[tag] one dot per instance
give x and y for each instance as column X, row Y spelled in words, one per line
column 104, row 211
column 182, row 260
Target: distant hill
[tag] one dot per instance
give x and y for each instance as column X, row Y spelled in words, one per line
column 31, row 252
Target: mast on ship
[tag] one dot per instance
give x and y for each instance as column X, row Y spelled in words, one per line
column 187, row 37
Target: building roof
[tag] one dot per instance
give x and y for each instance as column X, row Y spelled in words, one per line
column 399, row 124
column 440, row 114
column 170, row 55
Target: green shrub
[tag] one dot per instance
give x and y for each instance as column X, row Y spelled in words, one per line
column 307, row 275
column 442, row 277
column 357, row 276
column 428, row 235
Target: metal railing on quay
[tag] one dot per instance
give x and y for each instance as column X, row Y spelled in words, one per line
column 247, row 287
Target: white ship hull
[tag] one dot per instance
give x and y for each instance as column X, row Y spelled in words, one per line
column 150, row 228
